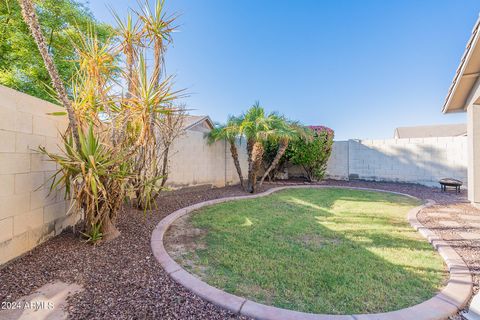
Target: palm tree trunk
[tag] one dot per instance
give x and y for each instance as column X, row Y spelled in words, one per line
column 234, row 152
column 256, row 161
column 28, row 13
column 250, row 143
column 281, row 151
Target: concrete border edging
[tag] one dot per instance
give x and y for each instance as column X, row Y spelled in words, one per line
column 447, row 302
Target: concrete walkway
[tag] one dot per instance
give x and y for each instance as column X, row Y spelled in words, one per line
column 47, row 303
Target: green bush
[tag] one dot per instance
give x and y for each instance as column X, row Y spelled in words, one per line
column 271, row 148
column 313, row 154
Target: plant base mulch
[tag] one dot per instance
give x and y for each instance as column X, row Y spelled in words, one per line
column 122, row 279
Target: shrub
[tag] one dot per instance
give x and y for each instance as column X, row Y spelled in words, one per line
column 96, row 176
column 271, row 148
column 313, row 154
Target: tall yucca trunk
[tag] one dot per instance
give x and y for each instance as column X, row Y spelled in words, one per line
column 236, row 162
column 282, row 147
column 130, row 71
column 254, row 166
column 28, row 13
column 157, row 56
column 131, row 90
column 157, row 72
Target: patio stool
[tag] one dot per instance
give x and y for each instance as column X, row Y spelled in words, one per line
column 450, row 182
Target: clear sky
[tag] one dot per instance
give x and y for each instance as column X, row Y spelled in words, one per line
column 359, row 67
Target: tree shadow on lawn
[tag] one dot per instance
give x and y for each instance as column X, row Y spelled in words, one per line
column 286, row 258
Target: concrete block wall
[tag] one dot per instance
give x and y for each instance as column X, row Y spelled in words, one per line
column 337, row 166
column 28, row 213
column 423, row 161
column 194, row 162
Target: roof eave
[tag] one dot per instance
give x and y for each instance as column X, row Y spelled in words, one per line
column 472, row 42
column 205, row 118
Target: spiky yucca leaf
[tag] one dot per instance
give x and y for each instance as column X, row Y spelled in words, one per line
column 94, row 176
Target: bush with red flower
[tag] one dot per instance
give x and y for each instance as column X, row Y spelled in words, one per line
column 312, row 153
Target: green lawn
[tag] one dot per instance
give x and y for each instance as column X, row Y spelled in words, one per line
column 334, row 251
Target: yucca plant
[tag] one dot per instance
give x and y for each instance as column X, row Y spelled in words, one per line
column 96, row 177
column 151, row 102
column 115, row 129
column 158, row 29
column 130, row 35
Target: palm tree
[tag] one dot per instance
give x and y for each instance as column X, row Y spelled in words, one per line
column 30, row 18
column 257, row 127
column 229, row 132
column 284, row 131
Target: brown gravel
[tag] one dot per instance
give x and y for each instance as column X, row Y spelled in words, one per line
column 122, row 279
column 467, row 249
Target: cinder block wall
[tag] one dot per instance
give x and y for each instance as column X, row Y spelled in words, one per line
column 194, row 162
column 28, row 213
column 337, row 167
column 423, row 161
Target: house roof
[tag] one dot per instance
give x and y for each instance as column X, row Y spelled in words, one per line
column 444, row 130
column 193, row 120
column 466, row 75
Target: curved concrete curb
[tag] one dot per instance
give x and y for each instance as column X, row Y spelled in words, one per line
column 446, row 303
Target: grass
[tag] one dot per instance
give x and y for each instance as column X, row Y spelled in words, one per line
column 334, row 251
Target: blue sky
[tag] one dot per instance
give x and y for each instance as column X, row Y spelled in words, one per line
column 359, row 67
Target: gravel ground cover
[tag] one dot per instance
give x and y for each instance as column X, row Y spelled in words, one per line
column 464, row 237
column 122, row 280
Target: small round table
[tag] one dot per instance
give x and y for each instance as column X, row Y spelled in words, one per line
column 450, row 182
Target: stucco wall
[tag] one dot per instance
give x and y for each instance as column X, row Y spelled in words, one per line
column 28, row 213
column 194, row 162
column 421, row 160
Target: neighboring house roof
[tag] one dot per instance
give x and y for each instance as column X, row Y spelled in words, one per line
column 465, row 79
column 444, row 130
column 192, row 121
